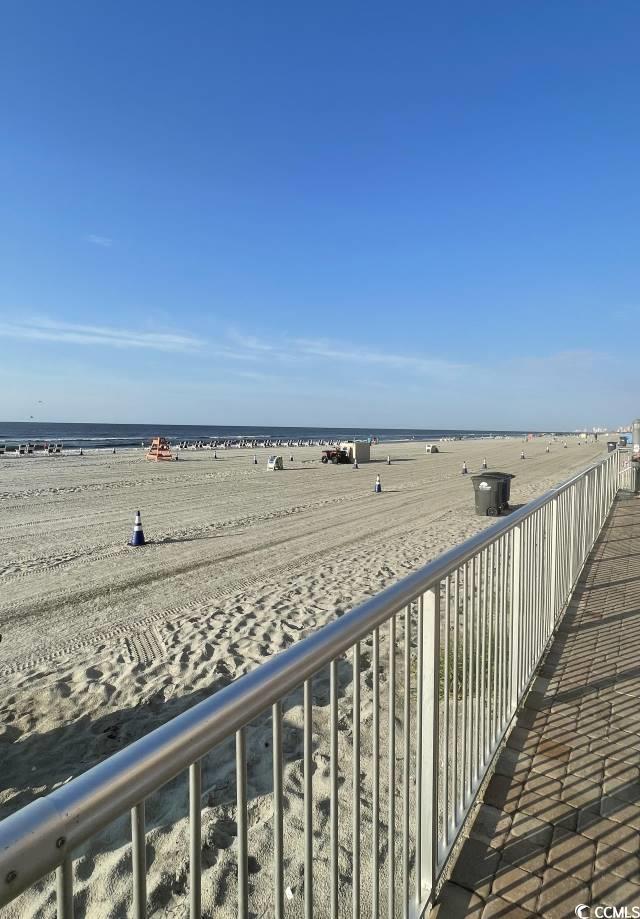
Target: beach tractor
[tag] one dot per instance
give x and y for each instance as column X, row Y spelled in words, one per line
column 335, row 455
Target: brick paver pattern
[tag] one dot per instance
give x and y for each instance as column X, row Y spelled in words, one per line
column 559, row 824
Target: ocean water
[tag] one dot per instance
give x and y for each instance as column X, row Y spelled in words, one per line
column 132, row 435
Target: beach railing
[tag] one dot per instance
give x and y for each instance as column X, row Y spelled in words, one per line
column 424, row 681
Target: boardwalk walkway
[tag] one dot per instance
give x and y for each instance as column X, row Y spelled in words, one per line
column 559, row 824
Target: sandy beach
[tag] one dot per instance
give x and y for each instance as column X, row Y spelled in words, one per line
column 102, row 642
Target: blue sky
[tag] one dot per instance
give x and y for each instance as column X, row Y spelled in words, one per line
column 418, row 214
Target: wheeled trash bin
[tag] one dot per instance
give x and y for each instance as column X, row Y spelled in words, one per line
column 492, row 492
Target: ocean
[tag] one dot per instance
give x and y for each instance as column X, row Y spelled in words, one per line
column 103, row 436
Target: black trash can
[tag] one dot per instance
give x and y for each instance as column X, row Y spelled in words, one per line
column 492, row 492
column 611, row 446
column 635, row 472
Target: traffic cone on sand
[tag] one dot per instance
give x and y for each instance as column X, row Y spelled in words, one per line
column 137, row 537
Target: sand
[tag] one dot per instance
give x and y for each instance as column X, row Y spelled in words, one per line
column 102, row 642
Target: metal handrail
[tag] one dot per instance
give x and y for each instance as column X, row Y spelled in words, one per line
column 39, row 837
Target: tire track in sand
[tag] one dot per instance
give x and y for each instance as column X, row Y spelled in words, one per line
column 123, row 629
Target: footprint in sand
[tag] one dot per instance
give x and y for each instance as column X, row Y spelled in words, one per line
column 92, row 673
column 62, row 689
column 209, row 856
column 292, row 746
column 222, row 834
column 84, row 867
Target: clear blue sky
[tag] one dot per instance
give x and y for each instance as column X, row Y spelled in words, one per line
column 419, row 214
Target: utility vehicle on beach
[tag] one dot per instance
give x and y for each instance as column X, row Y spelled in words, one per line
column 335, row 456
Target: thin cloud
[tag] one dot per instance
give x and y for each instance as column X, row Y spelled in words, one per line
column 104, row 241
column 69, row 333
column 255, row 375
column 250, row 342
column 579, row 359
column 322, row 348
column 300, row 349
column 233, row 355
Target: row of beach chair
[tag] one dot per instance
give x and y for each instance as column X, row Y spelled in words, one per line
column 30, row 449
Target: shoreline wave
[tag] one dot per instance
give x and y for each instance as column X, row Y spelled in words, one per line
column 129, row 436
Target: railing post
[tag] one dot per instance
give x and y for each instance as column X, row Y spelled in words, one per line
column 553, row 566
column 64, row 883
column 617, row 477
column 242, row 822
column 139, row 860
column 419, row 889
column 585, row 544
column 516, row 591
column 597, row 502
column 430, row 740
column 572, row 534
column 195, row 840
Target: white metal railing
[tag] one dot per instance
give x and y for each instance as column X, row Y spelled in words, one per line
column 424, row 681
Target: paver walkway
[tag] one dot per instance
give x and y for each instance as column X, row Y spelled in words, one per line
column 559, row 824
